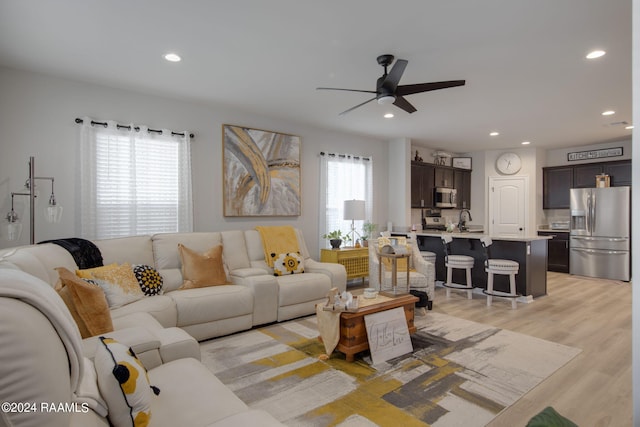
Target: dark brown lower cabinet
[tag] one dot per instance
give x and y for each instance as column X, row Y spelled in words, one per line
column 558, row 250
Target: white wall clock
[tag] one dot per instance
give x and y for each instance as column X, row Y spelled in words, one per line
column 508, row 163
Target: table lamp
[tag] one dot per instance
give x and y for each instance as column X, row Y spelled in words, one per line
column 354, row 210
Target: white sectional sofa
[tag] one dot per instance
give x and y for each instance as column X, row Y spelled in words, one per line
column 36, row 360
column 255, row 296
column 47, row 378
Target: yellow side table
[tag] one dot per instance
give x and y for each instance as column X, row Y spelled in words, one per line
column 355, row 260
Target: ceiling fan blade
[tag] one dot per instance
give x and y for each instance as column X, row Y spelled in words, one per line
column 393, row 78
column 404, row 104
column 426, row 87
column 348, row 90
column 353, row 108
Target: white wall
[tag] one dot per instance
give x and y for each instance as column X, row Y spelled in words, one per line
column 37, row 115
column 558, row 157
column 399, row 199
column 530, row 168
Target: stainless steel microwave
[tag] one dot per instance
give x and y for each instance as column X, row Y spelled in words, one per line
column 445, row 197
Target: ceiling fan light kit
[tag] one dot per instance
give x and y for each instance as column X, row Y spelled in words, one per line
column 389, row 92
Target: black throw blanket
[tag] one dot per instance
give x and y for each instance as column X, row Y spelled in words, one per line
column 84, row 252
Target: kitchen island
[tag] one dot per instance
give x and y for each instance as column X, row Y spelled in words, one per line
column 529, row 251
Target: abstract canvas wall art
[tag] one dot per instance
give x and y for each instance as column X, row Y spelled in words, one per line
column 261, row 172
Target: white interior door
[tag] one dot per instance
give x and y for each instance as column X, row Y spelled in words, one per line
column 508, row 211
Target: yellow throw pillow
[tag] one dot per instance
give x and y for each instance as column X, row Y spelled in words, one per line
column 87, row 304
column 87, row 273
column 118, row 282
column 202, row 270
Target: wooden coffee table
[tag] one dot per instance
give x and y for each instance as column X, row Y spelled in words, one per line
column 353, row 332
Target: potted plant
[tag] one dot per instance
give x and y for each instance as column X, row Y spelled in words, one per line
column 368, row 229
column 335, row 238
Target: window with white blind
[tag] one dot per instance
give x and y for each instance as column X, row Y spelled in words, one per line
column 134, row 182
column 344, row 177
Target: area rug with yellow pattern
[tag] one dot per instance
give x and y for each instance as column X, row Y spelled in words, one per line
column 460, row 373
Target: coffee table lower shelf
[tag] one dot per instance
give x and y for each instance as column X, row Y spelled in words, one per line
column 353, row 331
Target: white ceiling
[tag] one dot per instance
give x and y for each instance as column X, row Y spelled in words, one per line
column 523, row 60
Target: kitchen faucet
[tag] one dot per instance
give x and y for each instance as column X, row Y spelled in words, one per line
column 462, row 223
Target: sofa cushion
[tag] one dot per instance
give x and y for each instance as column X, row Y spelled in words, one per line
column 301, row 288
column 87, row 304
column 205, row 305
column 289, row 263
column 134, row 250
column 39, row 260
column 235, row 250
column 167, row 258
column 149, row 279
column 202, row 270
column 123, row 383
column 161, row 307
column 201, row 401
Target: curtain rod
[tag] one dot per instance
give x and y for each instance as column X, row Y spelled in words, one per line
column 344, row 156
column 136, row 128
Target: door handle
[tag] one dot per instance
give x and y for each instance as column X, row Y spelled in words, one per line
column 600, row 251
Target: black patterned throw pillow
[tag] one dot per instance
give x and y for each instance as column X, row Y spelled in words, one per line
column 149, row 279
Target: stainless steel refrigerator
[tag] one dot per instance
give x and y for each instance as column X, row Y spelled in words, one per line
column 600, row 232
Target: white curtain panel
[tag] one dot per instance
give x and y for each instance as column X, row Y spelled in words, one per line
column 343, row 177
column 133, row 182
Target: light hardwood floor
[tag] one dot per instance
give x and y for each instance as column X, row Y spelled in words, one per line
column 594, row 389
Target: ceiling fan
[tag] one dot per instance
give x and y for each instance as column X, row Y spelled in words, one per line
column 389, row 92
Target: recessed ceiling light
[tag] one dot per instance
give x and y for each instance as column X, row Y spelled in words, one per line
column 388, row 116
column 629, row 127
column 494, row 134
column 526, row 142
column 595, row 54
column 608, row 113
column 172, row 57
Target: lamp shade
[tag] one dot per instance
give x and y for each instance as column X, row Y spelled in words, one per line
column 354, row 210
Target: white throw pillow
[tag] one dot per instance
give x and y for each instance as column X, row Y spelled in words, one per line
column 124, row 384
column 289, row 263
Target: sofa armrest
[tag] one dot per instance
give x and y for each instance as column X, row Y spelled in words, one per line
column 176, row 343
column 265, row 295
column 142, row 341
column 336, row 272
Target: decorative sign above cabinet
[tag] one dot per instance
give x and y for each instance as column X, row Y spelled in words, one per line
column 461, row 162
column 594, row 154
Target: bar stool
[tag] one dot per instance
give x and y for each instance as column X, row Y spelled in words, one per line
column 499, row 266
column 452, row 261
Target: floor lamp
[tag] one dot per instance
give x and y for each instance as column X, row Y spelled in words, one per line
column 354, row 210
column 52, row 213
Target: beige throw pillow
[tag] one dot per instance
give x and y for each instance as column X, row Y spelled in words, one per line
column 202, row 270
